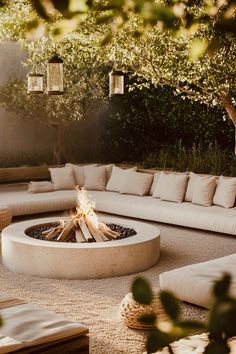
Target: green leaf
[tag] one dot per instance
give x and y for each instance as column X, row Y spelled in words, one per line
column 106, row 39
column 157, row 340
column 148, row 318
column 170, row 304
column 78, row 6
column 142, row 291
column 198, row 48
column 221, row 287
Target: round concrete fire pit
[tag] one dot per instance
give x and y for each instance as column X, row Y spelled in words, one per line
column 26, row 255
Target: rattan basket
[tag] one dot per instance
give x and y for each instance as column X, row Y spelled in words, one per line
column 130, row 312
column 5, row 216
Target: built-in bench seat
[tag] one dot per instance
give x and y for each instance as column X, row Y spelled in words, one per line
column 213, row 218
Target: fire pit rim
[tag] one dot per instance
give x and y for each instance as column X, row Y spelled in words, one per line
column 17, row 231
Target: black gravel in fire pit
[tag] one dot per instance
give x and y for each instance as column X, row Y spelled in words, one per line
column 37, row 230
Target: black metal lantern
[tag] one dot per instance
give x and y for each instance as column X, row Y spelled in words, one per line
column 35, row 83
column 55, row 76
column 116, row 83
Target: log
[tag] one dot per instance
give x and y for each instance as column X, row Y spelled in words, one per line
column 79, row 236
column 97, row 234
column 50, row 234
column 65, row 234
column 110, row 234
column 84, row 228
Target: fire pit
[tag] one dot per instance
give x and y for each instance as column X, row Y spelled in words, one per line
column 75, row 258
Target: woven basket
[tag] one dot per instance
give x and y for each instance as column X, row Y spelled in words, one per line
column 130, row 312
column 5, row 216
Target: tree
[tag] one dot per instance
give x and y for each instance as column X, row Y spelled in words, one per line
column 164, row 60
column 171, row 14
column 84, row 80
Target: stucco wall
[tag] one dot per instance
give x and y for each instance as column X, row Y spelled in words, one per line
column 24, row 142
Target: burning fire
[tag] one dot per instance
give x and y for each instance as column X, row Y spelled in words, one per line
column 83, row 223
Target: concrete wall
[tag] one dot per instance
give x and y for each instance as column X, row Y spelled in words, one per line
column 24, row 142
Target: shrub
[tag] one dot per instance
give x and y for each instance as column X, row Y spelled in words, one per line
column 211, row 159
column 142, row 122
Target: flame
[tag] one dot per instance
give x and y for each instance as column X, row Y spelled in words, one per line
column 85, row 207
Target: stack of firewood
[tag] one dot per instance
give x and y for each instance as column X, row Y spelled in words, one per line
column 82, row 225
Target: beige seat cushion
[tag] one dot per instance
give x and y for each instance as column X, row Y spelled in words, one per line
column 225, row 192
column 136, row 183
column 27, row 325
column 62, row 178
column 117, row 178
column 171, row 187
column 95, row 177
column 203, row 190
column 194, row 283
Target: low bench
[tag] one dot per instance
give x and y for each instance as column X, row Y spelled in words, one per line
column 30, row 329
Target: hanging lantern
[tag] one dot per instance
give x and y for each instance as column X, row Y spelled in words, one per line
column 55, row 76
column 116, row 83
column 35, row 83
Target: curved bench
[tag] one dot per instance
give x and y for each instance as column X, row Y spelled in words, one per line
column 213, row 218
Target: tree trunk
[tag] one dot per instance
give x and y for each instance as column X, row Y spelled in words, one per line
column 58, row 147
column 230, row 109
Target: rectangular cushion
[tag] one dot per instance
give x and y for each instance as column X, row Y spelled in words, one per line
column 194, row 283
column 225, row 192
column 136, row 183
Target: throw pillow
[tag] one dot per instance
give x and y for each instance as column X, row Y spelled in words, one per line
column 172, row 187
column 203, row 190
column 156, row 177
column 117, row 178
column 160, row 185
column 40, row 187
column 78, row 171
column 191, row 181
column 95, row 177
column 62, row 178
column 136, row 183
column 108, row 170
column 225, row 193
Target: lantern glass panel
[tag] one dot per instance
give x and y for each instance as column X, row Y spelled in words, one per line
column 116, row 84
column 55, row 78
column 35, row 83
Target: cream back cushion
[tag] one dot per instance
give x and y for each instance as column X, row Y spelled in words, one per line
column 62, row 178
column 136, row 183
column 191, row 181
column 40, row 187
column 171, row 187
column 78, row 173
column 161, row 180
column 203, row 190
column 225, row 193
column 108, row 170
column 117, row 178
column 155, row 181
column 95, row 177
column 189, row 191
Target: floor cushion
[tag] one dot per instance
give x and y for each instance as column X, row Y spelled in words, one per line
column 194, row 283
column 27, row 326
